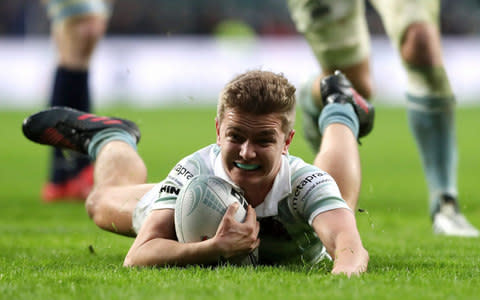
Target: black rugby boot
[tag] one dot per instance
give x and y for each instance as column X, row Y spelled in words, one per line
column 338, row 89
column 69, row 128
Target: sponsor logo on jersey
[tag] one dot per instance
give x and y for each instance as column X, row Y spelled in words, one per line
column 182, row 171
column 169, row 189
column 311, row 181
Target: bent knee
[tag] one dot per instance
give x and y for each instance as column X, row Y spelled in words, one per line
column 91, row 204
column 421, row 45
column 96, row 209
column 109, row 212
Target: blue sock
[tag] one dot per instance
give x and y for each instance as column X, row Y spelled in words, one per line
column 432, row 122
column 342, row 113
column 101, row 138
column 70, row 88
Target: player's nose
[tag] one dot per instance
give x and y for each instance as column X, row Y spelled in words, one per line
column 247, row 150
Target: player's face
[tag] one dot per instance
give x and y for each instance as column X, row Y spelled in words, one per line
column 252, row 147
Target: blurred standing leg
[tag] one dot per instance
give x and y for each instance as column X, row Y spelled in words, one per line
column 76, row 28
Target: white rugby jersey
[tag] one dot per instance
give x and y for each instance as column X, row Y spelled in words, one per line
column 300, row 192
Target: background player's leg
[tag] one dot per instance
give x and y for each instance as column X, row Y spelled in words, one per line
column 75, row 36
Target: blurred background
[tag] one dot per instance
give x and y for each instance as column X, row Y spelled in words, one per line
column 163, row 52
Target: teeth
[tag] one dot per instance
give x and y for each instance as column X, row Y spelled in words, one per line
column 247, row 167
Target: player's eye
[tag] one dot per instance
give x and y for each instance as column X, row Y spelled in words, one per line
column 266, row 141
column 236, row 138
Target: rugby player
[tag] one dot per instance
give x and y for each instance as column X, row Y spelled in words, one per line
column 296, row 213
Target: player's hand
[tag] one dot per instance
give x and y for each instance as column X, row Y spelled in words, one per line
column 234, row 238
column 350, row 262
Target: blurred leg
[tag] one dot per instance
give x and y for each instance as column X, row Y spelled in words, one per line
column 431, row 110
column 76, row 29
column 430, row 105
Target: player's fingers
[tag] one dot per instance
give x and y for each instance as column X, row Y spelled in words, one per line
column 232, row 209
column 256, row 244
column 251, row 217
column 257, row 228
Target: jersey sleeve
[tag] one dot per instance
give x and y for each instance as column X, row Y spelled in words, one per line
column 184, row 170
column 314, row 192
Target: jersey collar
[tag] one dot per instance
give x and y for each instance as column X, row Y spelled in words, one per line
column 280, row 189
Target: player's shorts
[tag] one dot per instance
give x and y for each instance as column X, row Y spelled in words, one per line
column 60, row 10
column 337, row 30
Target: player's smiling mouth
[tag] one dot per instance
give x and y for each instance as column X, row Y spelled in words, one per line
column 246, row 167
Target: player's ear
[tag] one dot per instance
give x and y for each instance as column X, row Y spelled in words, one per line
column 288, row 141
column 217, row 127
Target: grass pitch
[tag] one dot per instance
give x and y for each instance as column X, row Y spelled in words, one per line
column 55, row 252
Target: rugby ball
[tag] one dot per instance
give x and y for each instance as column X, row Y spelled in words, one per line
column 200, row 207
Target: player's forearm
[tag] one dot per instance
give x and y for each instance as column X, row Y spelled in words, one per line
column 350, row 257
column 338, row 232
column 161, row 252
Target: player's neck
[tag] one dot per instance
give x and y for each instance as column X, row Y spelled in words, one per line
column 255, row 195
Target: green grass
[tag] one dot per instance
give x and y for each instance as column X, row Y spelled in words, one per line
column 56, row 252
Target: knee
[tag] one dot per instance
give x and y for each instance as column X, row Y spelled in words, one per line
column 89, row 30
column 421, row 45
column 422, row 57
column 94, row 207
column 76, row 39
column 90, row 203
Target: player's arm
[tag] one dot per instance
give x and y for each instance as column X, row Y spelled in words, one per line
column 156, row 243
column 338, row 232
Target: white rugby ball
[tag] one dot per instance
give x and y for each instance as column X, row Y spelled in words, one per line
column 200, row 207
